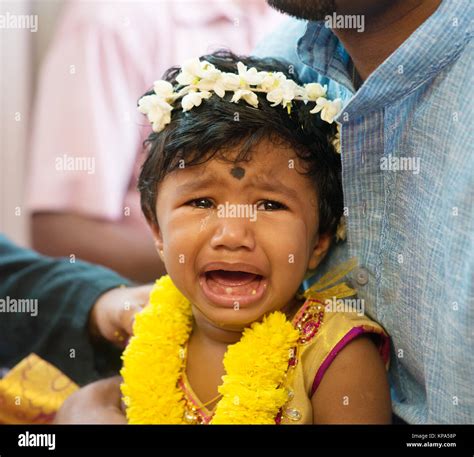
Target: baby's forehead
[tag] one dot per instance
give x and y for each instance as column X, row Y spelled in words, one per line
column 268, row 165
column 279, row 176
column 259, row 166
column 265, row 158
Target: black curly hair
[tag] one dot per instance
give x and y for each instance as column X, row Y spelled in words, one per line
column 218, row 126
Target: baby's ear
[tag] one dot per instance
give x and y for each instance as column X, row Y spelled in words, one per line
column 157, row 237
column 320, row 249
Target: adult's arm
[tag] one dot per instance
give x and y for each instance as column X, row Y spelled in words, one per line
column 53, row 299
column 127, row 249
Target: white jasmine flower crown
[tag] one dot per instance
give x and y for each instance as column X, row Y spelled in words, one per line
column 199, row 79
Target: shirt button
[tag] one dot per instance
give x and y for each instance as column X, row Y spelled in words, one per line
column 362, row 276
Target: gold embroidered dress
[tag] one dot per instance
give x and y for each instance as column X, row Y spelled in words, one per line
column 323, row 335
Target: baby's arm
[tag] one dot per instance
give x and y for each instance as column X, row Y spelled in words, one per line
column 354, row 389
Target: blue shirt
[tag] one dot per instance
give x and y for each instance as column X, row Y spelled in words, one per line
column 408, row 161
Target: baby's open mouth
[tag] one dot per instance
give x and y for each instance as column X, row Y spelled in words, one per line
column 233, row 282
column 232, row 288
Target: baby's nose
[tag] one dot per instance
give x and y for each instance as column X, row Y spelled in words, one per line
column 233, row 233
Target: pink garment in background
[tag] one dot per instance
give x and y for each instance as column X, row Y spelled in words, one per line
column 104, row 56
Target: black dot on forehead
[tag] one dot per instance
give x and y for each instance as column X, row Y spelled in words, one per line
column 237, row 172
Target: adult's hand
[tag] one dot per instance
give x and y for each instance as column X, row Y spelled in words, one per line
column 96, row 403
column 113, row 313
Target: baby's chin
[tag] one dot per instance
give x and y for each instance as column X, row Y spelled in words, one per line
column 237, row 319
column 230, row 319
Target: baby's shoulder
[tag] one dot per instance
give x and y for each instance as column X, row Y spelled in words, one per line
column 326, row 330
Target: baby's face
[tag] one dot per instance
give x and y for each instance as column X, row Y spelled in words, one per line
column 238, row 239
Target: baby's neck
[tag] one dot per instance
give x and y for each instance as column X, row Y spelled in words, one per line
column 209, row 333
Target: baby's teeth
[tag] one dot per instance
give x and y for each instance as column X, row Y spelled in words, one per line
column 228, row 290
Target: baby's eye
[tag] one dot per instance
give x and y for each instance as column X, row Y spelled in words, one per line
column 204, row 203
column 271, row 205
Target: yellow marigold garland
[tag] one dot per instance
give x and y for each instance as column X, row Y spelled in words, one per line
column 253, row 389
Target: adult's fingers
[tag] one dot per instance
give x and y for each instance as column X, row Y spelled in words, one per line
column 96, row 403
